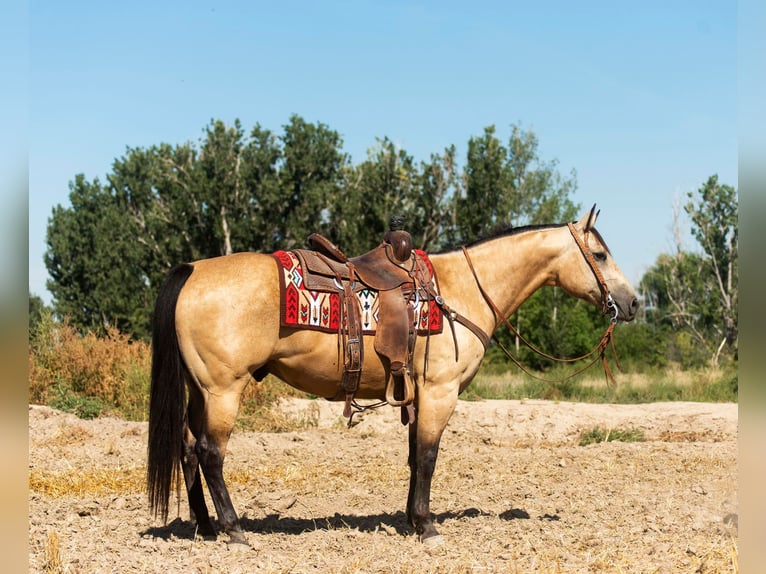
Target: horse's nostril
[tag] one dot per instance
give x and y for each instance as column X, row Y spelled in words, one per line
column 634, row 305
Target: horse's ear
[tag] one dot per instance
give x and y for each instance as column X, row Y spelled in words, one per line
column 588, row 220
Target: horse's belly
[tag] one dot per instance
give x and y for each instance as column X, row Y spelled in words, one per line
column 313, row 362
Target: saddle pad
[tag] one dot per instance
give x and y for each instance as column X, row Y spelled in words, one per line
column 301, row 308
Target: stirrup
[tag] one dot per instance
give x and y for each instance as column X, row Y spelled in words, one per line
column 407, row 385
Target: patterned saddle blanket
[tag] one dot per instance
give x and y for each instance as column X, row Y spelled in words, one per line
column 320, row 309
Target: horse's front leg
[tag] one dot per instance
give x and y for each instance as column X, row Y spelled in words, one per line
column 435, row 406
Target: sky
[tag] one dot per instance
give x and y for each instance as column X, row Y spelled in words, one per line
column 640, row 99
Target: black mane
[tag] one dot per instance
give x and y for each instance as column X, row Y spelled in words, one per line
column 502, row 231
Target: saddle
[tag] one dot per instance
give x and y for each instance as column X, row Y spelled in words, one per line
column 397, row 274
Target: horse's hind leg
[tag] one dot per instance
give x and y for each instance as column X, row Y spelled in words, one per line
column 220, row 413
column 192, row 477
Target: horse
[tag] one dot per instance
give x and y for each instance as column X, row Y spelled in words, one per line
column 216, row 326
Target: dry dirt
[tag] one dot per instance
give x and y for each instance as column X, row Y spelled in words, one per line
column 513, row 492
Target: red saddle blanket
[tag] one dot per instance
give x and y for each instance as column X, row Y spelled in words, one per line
column 301, row 308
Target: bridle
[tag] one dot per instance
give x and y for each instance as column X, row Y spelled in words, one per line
column 608, row 306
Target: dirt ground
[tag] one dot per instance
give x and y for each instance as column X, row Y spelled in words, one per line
column 513, row 492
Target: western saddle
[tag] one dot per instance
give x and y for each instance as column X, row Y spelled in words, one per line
column 399, row 276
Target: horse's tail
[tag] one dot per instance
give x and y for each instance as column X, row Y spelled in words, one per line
column 168, row 395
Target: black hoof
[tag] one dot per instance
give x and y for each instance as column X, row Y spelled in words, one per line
column 206, row 531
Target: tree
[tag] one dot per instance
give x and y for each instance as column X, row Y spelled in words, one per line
column 714, row 215
column 432, row 213
column 236, row 191
column 37, row 310
column 310, row 179
column 510, row 185
column 94, row 262
column 696, row 292
column 484, row 203
column 385, row 184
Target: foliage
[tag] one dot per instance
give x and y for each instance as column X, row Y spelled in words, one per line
column 86, row 374
column 234, row 190
column 510, row 185
column 554, row 323
column 642, row 347
column 91, row 375
column 669, row 383
column 37, row 310
column 260, row 191
column 692, row 296
column 95, row 272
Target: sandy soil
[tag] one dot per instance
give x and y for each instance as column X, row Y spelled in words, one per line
column 513, row 492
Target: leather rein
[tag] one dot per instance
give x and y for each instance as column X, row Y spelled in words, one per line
column 608, row 305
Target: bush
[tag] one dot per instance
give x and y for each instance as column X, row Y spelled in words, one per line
column 88, row 375
column 640, row 347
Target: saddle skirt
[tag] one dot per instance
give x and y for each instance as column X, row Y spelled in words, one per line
column 311, row 288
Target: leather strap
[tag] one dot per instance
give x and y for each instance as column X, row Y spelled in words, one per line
column 606, row 298
column 607, row 338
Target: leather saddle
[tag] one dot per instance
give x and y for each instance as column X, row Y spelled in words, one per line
column 325, row 263
column 327, row 268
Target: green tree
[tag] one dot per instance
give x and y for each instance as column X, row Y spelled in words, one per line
column 510, row 185
column 432, row 211
column 694, row 294
column 235, row 191
column 484, row 203
column 310, row 179
column 385, row 185
column 94, row 262
column 261, row 229
column 714, row 216
column 37, row 310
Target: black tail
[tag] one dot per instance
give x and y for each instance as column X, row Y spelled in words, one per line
column 168, row 395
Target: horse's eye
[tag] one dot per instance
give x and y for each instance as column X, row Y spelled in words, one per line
column 600, row 256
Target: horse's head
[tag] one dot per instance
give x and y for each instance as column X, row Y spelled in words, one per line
column 589, row 271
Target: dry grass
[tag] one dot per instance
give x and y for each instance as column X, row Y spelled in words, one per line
column 52, row 563
column 94, row 482
column 91, row 375
column 258, row 413
column 309, row 477
column 87, row 374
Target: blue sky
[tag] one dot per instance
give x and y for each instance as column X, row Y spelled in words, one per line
column 640, row 101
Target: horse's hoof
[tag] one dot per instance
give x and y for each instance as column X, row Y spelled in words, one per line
column 237, row 541
column 432, row 541
column 206, row 532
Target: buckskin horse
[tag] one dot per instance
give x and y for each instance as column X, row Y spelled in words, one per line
column 217, row 325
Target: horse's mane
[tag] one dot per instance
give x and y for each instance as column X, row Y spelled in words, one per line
column 501, row 231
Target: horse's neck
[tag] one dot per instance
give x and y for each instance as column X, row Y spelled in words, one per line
column 509, row 269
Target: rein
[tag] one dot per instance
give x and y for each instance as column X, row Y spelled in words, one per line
column 608, row 306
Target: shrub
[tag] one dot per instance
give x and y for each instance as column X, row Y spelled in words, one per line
column 88, row 375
